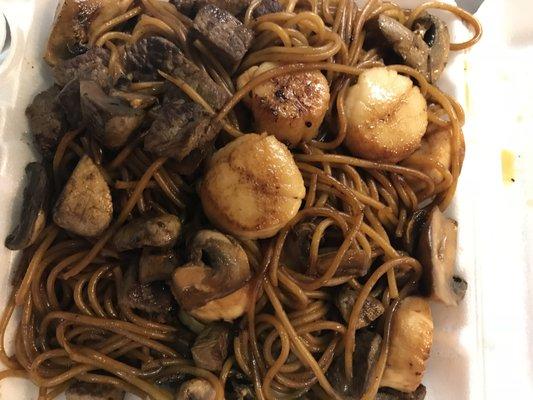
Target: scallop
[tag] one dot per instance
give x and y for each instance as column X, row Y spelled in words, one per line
column 252, row 187
column 290, row 107
column 386, row 114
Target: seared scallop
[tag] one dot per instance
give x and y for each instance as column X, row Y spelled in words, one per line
column 410, row 343
column 252, row 187
column 387, row 116
column 290, row 107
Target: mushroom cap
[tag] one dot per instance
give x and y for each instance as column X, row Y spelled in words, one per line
column 437, row 249
column 212, row 285
column 252, row 187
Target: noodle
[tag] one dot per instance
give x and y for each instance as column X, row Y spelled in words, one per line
column 74, row 322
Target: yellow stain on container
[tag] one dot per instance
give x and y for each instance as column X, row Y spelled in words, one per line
column 508, row 166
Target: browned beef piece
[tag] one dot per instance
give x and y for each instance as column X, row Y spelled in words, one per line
column 93, row 391
column 47, row 122
column 149, row 54
column 154, row 297
column 235, row 7
column 69, row 101
column 180, row 128
column 91, row 65
column 267, row 7
column 224, row 34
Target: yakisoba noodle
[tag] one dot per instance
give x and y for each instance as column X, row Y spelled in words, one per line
column 73, row 325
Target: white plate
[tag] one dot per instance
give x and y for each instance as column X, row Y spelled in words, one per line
column 468, row 359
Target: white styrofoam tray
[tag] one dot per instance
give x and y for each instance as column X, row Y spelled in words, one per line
column 483, row 348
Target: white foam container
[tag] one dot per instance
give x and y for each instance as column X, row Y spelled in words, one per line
column 482, row 349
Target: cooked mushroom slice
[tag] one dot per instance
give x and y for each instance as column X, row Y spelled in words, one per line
column 93, row 391
column 224, row 34
column 413, row 228
column 387, row 116
column 435, row 33
column 34, row 208
column 89, row 66
column 365, row 357
column 355, row 262
column 180, row 129
column 196, row 389
column 345, row 300
column 47, row 122
column 210, row 349
column 252, row 187
column 213, row 285
column 411, row 47
column 75, row 25
column 69, row 35
column 239, row 387
column 437, row 249
column 84, row 207
column 391, row 394
column 410, row 342
column 234, row 7
column 159, row 231
column 156, row 266
column 109, row 119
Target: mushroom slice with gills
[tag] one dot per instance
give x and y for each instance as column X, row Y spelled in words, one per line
column 291, row 106
column 93, row 391
column 252, row 187
column 109, row 119
column 34, row 208
column 156, row 266
column 224, row 34
column 387, row 116
column 84, row 207
column 180, row 129
column 372, row 307
column 410, row 342
column 409, row 46
column 196, row 389
column 355, row 262
column 214, row 284
column 391, row 394
column 210, row 349
column 413, row 228
column 75, row 24
column 437, row 250
column 159, row 231
column 435, row 33
column 365, row 357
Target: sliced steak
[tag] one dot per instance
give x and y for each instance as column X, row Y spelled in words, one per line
column 224, row 34
column 234, row 7
column 151, row 53
column 47, row 122
column 93, row 391
column 109, row 119
column 84, row 207
column 180, row 128
column 91, row 65
column 69, row 101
